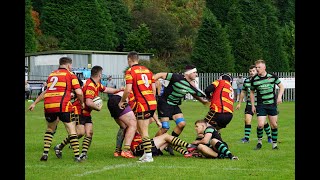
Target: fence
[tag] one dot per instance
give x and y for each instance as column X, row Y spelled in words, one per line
column 205, row 79
column 287, row 78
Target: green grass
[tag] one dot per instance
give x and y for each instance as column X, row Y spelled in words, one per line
column 263, row 164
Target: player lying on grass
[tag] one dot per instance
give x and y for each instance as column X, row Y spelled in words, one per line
column 209, row 143
column 159, row 143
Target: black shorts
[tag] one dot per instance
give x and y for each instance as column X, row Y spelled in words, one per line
column 155, row 151
column 76, row 118
column 85, row 119
column 166, row 110
column 144, row 115
column 113, row 106
column 63, row 116
column 267, row 109
column 248, row 110
column 218, row 120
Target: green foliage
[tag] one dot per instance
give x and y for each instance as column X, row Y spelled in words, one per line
column 139, row 39
column 212, row 50
column 37, row 5
column 29, row 33
column 170, row 29
column 81, row 24
column 289, row 44
column 121, row 18
column 164, row 32
column 274, row 52
column 155, row 65
column 220, row 9
column 241, row 38
column 286, row 9
column 47, row 43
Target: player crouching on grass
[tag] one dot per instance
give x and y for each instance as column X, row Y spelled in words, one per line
column 159, row 143
column 209, row 143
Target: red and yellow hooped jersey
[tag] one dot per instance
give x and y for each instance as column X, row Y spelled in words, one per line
column 60, row 84
column 141, row 79
column 90, row 90
column 137, row 139
column 222, row 97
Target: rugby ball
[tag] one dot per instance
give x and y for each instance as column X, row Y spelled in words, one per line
column 97, row 101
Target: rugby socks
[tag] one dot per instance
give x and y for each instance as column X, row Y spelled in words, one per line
column 223, row 149
column 64, row 143
column 247, row 131
column 119, row 141
column 86, row 144
column 267, row 129
column 178, row 142
column 146, row 143
column 259, row 135
column 126, row 147
column 274, row 137
column 174, row 134
column 180, row 150
column 74, row 142
column 48, row 136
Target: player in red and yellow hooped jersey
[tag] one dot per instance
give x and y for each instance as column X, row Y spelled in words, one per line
column 220, row 93
column 140, row 80
column 57, row 105
column 132, row 101
column 91, row 89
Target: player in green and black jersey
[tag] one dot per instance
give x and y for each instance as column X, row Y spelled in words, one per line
column 168, row 103
column 264, row 84
column 248, row 110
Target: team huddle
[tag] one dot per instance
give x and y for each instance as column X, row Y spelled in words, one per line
column 144, row 100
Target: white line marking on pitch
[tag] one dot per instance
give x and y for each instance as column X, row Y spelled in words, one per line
column 107, row 168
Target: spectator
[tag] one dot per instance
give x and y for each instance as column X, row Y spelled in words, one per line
column 111, row 84
column 43, row 88
column 239, row 81
column 27, row 89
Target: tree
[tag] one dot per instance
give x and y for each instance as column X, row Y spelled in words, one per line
column 79, row 24
column 163, row 29
column 122, row 20
column 220, row 9
column 212, row 50
column 275, row 54
column 29, row 37
column 242, row 37
column 139, row 39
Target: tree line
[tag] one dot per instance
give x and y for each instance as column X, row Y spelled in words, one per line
column 216, row 36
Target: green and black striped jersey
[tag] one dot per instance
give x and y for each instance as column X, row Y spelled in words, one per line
column 246, row 88
column 177, row 88
column 265, row 88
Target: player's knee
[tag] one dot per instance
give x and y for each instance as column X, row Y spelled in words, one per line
column 165, row 125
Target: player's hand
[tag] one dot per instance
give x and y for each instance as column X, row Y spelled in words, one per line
column 98, row 108
column 122, row 105
column 279, row 101
column 83, row 105
column 32, row 106
column 238, row 106
column 253, row 109
column 206, row 103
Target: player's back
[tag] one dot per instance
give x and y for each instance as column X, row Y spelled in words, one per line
column 222, row 97
column 58, row 94
column 142, row 79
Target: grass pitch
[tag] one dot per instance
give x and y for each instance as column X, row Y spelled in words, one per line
column 252, row 164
